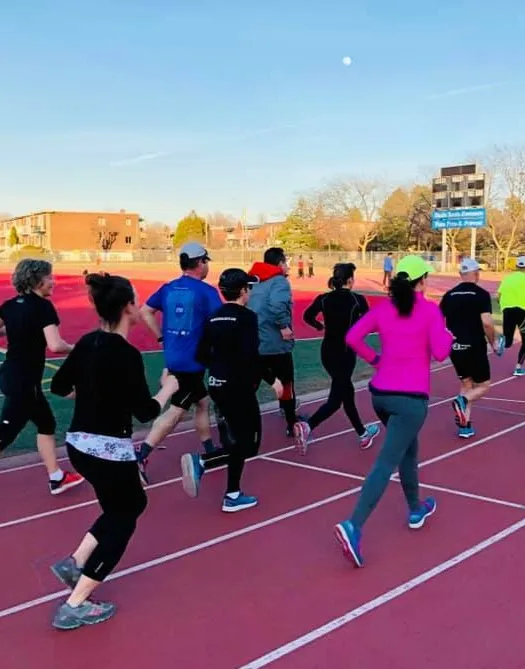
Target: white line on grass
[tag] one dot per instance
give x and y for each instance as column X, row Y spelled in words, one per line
column 385, row 598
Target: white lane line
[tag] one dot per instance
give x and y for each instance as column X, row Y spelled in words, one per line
column 385, row 598
column 18, row 608
column 160, row 484
column 395, row 478
column 192, row 429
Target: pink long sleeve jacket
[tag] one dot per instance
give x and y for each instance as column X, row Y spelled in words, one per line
column 408, row 344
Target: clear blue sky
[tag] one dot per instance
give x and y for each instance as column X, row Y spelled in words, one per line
column 163, row 106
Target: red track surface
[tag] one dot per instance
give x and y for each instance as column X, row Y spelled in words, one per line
column 78, row 317
column 199, row 588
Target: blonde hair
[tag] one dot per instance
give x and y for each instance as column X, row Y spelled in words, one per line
column 29, row 274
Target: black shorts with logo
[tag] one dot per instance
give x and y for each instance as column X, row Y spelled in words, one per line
column 192, row 389
column 471, row 362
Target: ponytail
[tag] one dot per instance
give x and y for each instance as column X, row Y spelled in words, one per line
column 402, row 292
column 110, row 295
column 341, row 275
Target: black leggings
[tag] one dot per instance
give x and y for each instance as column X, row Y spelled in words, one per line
column 340, row 368
column 122, row 498
column 514, row 317
column 281, row 366
column 23, row 405
column 240, row 426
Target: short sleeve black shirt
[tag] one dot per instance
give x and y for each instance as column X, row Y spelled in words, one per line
column 25, row 317
column 462, row 307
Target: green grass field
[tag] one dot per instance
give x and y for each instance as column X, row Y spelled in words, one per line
column 310, row 377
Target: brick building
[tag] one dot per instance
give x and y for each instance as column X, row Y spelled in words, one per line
column 75, row 230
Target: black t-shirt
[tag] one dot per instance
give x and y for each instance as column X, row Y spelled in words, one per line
column 462, row 307
column 25, row 318
column 229, row 346
column 340, row 309
column 107, row 374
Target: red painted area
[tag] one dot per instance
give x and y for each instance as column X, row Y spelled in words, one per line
column 78, row 317
column 222, row 605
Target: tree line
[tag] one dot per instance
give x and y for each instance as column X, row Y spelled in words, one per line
column 353, row 214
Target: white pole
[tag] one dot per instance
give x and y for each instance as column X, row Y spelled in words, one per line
column 443, row 250
column 473, row 242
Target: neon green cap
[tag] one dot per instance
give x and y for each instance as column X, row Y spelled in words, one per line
column 414, row 266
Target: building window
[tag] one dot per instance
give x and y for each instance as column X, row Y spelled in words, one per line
column 128, row 222
column 128, row 240
column 102, row 222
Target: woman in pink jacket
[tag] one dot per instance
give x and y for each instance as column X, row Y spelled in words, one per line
column 411, row 331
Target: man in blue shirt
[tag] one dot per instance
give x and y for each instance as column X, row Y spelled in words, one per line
column 388, row 268
column 185, row 303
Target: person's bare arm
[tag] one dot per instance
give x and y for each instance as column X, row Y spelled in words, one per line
column 148, row 315
column 54, row 341
column 488, row 327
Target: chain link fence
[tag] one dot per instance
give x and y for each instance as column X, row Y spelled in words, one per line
column 371, row 260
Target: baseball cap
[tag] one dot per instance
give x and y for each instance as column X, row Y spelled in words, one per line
column 414, row 266
column 235, row 279
column 469, row 265
column 194, row 250
column 520, row 262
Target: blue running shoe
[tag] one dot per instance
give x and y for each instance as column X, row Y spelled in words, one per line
column 466, row 432
column 240, row 503
column 350, row 539
column 519, row 371
column 366, row 440
column 417, row 519
column 499, row 349
column 192, row 471
column 460, row 407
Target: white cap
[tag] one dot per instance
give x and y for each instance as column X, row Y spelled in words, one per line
column 469, row 265
column 520, row 262
column 194, row 250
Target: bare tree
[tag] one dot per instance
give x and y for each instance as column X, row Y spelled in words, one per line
column 346, row 197
column 505, row 183
column 156, row 236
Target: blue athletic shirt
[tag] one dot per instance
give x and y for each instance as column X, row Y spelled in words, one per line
column 186, row 303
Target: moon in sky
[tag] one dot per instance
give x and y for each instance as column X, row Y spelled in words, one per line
column 347, row 61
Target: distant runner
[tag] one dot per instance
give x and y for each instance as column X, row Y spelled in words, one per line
column 467, row 309
column 340, row 308
column 511, row 294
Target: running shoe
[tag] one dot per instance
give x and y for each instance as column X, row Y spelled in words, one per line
column 499, row 349
column 89, row 613
column 301, row 433
column 350, row 539
column 466, row 432
column 519, row 371
column 67, row 571
column 371, row 432
column 192, row 472
column 417, row 519
column 142, row 453
column 68, row 481
column 240, row 503
column 460, row 405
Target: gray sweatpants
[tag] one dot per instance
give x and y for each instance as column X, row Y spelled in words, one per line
column 403, row 417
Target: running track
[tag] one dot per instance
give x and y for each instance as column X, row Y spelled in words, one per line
column 269, row 587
